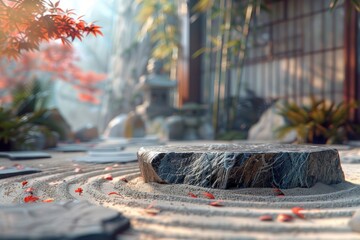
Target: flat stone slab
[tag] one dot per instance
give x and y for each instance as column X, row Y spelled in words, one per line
column 6, row 172
column 24, row 155
column 241, row 165
column 55, row 221
column 107, row 157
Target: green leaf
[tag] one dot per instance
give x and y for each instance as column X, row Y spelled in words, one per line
column 200, row 51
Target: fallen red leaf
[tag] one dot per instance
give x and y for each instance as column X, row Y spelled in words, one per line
column 114, row 193
column 296, row 211
column 30, row 190
column 30, row 198
column 266, row 218
column 19, row 167
column 108, row 177
column 278, row 192
column 152, row 211
column 79, row 190
column 23, row 183
column 285, row 217
column 208, row 195
column 192, row 195
column 48, row 200
column 124, row 180
column 216, row 204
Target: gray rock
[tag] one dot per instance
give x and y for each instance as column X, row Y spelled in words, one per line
column 265, row 128
column 206, row 131
column 175, row 128
column 69, row 220
column 245, row 165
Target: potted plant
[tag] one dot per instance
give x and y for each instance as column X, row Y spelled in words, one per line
column 319, row 122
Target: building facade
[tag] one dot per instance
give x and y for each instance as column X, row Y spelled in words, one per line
column 295, row 50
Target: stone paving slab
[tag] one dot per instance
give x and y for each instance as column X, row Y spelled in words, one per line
column 241, row 165
column 15, row 171
column 24, row 155
column 103, row 157
column 55, row 221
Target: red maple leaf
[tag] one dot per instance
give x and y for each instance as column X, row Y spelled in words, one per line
column 108, row 177
column 192, row 195
column 296, row 211
column 23, row 183
column 285, row 218
column 30, row 190
column 124, row 180
column 208, row 195
column 115, row 193
column 30, row 198
column 266, row 218
column 216, row 204
column 79, row 190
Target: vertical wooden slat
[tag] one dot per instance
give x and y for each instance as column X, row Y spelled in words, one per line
column 334, row 62
column 189, row 68
column 323, row 67
column 302, row 60
column 311, row 43
column 351, row 86
column 287, row 59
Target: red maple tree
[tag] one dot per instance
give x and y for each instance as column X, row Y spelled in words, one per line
column 52, row 61
column 24, row 24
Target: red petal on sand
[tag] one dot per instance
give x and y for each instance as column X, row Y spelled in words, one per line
column 23, row 183
column 124, row 180
column 266, row 218
column 192, row 195
column 114, row 193
column 30, row 190
column 108, row 177
column 19, row 167
column 216, row 204
column 79, row 190
column 152, row 211
column 48, row 200
column 208, row 195
column 284, row 218
column 30, row 198
column 296, row 211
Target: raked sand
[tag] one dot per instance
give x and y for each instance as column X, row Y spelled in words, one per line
column 327, row 208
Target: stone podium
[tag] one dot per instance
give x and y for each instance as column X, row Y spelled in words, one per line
column 241, row 165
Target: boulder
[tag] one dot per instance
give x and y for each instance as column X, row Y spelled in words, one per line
column 265, row 128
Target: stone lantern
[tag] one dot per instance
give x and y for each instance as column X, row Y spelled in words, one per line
column 156, row 88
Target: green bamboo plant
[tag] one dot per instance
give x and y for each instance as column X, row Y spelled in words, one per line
column 159, row 21
column 319, row 122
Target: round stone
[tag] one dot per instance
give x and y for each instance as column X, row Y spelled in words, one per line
column 241, row 165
